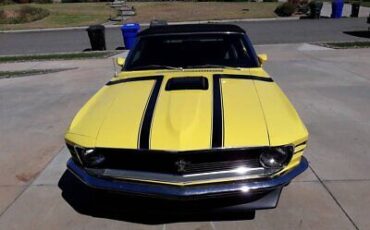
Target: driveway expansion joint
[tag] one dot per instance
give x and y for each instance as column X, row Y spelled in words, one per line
column 335, row 199
column 346, row 180
column 30, row 183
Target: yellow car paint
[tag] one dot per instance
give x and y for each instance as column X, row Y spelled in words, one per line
column 124, row 116
column 182, row 120
column 244, row 123
column 283, row 123
column 255, row 113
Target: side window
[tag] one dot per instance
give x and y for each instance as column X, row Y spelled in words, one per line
column 136, row 56
column 243, row 52
column 231, row 53
column 137, row 53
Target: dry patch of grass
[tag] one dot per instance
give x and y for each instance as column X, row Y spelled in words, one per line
column 83, row 14
column 64, row 15
column 193, row 11
column 24, row 73
column 347, row 45
column 58, row 56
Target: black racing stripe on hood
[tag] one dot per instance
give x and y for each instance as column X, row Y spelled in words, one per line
column 144, row 133
column 246, row 77
column 146, row 122
column 217, row 117
column 114, row 82
column 218, row 129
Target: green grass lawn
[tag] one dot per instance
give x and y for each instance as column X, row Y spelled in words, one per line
column 64, row 15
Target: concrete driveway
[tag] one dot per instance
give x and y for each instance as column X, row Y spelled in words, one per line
column 330, row 89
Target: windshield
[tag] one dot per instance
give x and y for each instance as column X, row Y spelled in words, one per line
column 192, row 51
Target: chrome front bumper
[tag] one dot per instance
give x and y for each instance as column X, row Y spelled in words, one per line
column 187, row 192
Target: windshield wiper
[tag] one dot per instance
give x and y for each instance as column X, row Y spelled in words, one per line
column 212, row 66
column 147, row 67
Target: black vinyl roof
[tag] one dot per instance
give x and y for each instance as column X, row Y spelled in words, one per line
column 191, row 28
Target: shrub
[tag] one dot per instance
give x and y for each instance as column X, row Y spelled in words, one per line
column 23, row 1
column 294, row 2
column 42, row 1
column 22, row 15
column 6, row 2
column 30, row 14
column 285, row 10
column 29, row 1
column 75, row 1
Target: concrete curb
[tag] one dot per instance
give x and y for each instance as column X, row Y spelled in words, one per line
column 147, row 24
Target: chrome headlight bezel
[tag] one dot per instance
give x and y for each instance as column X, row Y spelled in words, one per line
column 85, row 156
column 276, row 157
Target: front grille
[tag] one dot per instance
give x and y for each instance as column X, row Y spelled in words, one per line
column 222, row 165
column 179, row 163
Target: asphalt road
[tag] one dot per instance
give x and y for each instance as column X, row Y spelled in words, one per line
column 261, row 32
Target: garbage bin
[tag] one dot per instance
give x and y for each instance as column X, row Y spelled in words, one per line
column 97, row 37
column 355, row 9
column 337, row 8
column 129, row 34
column 315, row 9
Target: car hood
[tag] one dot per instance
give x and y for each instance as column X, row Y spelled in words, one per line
column 137, row 112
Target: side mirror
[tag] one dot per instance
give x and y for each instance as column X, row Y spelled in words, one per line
column 262, row 58
column 120, row 61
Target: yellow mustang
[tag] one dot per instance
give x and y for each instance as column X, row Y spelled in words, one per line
column 191, row 116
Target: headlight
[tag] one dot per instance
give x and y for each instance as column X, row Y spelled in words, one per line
column 86, row 156
column 276, row 157
column 92, row 158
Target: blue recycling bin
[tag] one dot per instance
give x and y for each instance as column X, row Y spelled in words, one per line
column 129, row 34
column 337, row 8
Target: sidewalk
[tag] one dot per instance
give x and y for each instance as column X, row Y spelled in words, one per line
column 53, row 64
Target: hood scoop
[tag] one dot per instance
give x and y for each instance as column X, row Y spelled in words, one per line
column 187, row 83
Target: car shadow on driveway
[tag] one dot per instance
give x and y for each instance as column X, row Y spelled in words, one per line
column 116, row 206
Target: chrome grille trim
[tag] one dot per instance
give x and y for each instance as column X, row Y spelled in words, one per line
column 233, row 174
column 222, row 165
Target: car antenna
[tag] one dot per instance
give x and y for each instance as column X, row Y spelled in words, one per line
column 115, row 67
